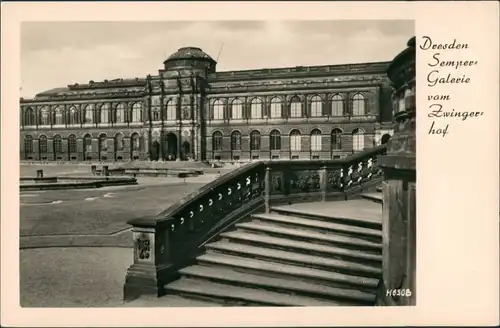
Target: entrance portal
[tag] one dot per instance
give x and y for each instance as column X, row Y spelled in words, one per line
column 155, row 150
column 170, row 149
column 186, row 150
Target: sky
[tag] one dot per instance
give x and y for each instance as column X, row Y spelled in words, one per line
column 55, row 54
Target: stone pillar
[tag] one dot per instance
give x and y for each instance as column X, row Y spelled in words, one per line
column 399, row 191
column 267, row 191
column 105, row 171
column 323, row 181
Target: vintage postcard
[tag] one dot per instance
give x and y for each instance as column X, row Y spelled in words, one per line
column 279, row 164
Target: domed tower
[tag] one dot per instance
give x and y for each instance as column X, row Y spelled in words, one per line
column 191, row 59
column 177, row 102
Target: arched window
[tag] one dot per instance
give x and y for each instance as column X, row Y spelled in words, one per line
column 255, row 140
column 44, row 116
column 316, row 140
column 275, row 107
column 171, row 111
column 135, row 142
column 316, row 106
column 358, row 139
column 87, row 143
column 336, row 139
column 103, row 142
column 218, row 109
column 275, row 140
column 72, row 143
column 29, row 117
column 137, row 112
column 217, row 141
column 295, row 140
column 28, row 144
column 385, row 138
column 42, row 144
column 337, row 105
column 104, row 113
column 256, row 108
column 119, row 116
column 358, row 105
column 236, row 140
column 89, row 114
column 237, row 109
column 119, row 141
column 295, row 107
column 73, row 116
column 58, row 116
column 57, row 144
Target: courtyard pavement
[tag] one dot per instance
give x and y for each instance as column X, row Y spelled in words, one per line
column 76, row 244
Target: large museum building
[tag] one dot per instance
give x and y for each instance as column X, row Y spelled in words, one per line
column 189, row 111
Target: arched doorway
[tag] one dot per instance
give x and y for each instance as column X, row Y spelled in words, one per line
column 186, row 150
column 170, row 149
column 155, row 150
column 385, row 138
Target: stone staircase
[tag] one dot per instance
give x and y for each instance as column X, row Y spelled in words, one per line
column 311, row 254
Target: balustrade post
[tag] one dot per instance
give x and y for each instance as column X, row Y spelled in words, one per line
column 267, row 190
column 151, row 269
column 399, row 190
column 323, row 180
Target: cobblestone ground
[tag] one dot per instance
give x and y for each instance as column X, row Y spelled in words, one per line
column 73, row 277
column 83, row 276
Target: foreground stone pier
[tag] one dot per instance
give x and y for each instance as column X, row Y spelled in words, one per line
column 399, row 189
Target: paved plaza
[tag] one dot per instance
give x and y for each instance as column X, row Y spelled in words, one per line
column 76, row 244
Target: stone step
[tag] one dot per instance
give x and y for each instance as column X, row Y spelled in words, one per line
column 168, row 301
column 279, row 270
column 300, row 288
column 288, row 257
column 345, row 229
column 356, row 212
column 303, row 247
column 373, row 196
column 311, row 236
column 234, row 295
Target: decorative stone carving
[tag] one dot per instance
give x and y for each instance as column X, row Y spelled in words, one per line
column 143, row 248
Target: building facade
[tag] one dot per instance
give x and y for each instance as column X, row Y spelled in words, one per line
column 189, row 111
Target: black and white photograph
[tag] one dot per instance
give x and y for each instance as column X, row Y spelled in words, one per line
column 217, row 163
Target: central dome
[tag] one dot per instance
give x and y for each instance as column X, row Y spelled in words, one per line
column 189, row 53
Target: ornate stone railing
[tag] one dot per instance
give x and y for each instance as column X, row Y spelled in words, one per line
column 172, row 239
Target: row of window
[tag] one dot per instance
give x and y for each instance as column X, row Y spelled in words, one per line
column 295, row 140
column 106, row 114
column 296, row 108
column 88, row 114
column 135, row 141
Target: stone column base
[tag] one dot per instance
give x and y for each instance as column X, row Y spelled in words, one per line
column 145, row 279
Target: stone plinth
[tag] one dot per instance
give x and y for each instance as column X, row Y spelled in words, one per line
column 399, row 189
